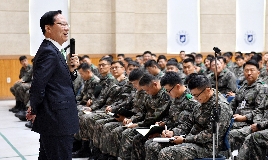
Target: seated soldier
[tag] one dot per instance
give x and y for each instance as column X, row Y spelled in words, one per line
column 120, row 57
column 199, row 62
column 255, row 146
column 174, row 66
column 162, row 61
column 229, row 63
column 248, row 104
column 108, row 86
column 207, row 64
column 258, row 59
column 154, row 69
column 238, row 69
column 25, row 77
column 93, row 68
column 226, row 79
column 180, row 115
column 199, row 142
column 189, row 66
column 157, row 106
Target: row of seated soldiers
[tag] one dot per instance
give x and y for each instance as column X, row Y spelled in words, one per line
column 164, row 99
column 118, row 97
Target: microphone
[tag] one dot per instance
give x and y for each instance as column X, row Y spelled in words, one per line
column 72, row 47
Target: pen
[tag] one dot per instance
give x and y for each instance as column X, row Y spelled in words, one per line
column 165, row 129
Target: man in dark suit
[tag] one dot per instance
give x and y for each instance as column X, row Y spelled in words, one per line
column 52, row 98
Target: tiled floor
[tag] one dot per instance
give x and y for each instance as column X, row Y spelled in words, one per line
column 17, row 142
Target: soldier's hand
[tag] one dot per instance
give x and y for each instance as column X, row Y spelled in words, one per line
column 178, row 140
column 89, row 102
column 126, row 121
column 29, row 116
column 254, row 127
column 108, row 109
column 230, row 94
column 239, row 118
column 73, row 62
column 167, row 134
column 121, row 118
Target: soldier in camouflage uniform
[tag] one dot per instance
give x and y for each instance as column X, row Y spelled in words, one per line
column 229, row 63
column 180, row 113
column 174, row 66
column 93, row 68
column 157, row 106
column 238, row 69
column 18, row 89
column 199, row 63
column 154, row 69
column 78, row 85
column 256, row 144
column 248, row 105
column 107, row 86
column 199, row 142
column 226, row 79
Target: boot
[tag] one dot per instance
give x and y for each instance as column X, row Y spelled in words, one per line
column 84, row 151
column 29, row 124
column 77, row 144
column 21, row 115
column 15, row 109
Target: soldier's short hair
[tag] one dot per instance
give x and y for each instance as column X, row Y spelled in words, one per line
column 84, row 56
column 135, row 74
column 190, row 56
column 84, row 67
column 161, row 57
column 22, row 58
column 128, row 59
column 173, row 59
column 107, row 59
column 173, row 63
column 239, row 57
column 151, row 63
column 121, row 55
column 199, row 55
column 121, row 63
column 133, row 63
column 147, row 52
column 252, row 62
column 257, row 57
column 171, row 78
column 147, row 79
column 189, row 60
column 198, row 81
column 228, row 54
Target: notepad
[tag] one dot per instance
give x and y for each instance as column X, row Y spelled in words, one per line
column 163, row 139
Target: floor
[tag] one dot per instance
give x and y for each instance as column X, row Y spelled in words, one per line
column 17, row 142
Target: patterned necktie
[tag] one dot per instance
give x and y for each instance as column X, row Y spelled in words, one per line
column 63, row 53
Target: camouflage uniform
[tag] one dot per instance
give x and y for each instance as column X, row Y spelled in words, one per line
column 199, row 142
column 239, row 73
column 263, row 73
column 108, row 86
column 116, row 101
column 78, row 84
column 116, row 134
column 202, row 68
column 157, row 107
column 226, row 81
column 180, row 116
column 230, row 66
column 207, row 72
column 26, row 76
column 255, row 145
column 256, row 103
column 95, row 70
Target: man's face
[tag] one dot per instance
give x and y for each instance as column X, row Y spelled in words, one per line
column 24, row 63
column 59, row 31
column 246, row 58
column 188, row 68
column 152, row 70
column 120, row 58
column 182, row 55
column 130, row 68
column 146, row 57
column 84, row 74
column 162, row 63
column 227, row 59
column 198, row 60
column 171, row 90
column 104, row 67
column 201, row 95
column 251, row 73
column 151, row 89
column 86, row 60
column 239, row 62
column 219, row 66
column 139, row 60
column 117, row 70
column 172, row 68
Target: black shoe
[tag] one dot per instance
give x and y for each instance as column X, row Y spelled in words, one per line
column 95, row 153
column 77, row 144
column 16, row 108
column 29, row 124
column 83, row 152
column 21, row 115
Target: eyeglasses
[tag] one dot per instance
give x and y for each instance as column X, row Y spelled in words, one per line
column 200, row 93
column 102, row 65
column 112, row 68
column 171, row 89
column 63, row 25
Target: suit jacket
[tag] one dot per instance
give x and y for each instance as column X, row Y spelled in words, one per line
column 52, row 95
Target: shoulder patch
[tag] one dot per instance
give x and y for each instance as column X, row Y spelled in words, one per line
column 188, row 96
